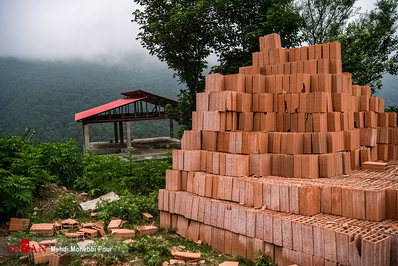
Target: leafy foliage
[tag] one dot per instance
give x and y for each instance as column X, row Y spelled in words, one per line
column 155, row 249
column 101, row 174
column 16, row 194
column 68, row 207
column 27, row 167
column 22, row 175
column 183, row 112
column 391, row 109
column 323, row 19
column 129, row 207
column 63, row 160
column 184, row 33
column 369, row 45
column 118, row 251
column 146, row 177
column 263, row 260
column 239, row 24
column 177, row 32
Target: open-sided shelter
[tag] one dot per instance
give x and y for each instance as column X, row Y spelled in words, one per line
column 136, row 105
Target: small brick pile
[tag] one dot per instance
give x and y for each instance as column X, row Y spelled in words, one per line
column 281, row 160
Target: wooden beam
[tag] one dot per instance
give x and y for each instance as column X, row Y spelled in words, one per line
column 146, row 107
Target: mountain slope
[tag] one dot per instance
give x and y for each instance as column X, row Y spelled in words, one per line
column 45, row 95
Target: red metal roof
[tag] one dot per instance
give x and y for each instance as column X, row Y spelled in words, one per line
column 105, row 107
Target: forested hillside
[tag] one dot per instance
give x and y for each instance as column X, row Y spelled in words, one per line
column 45, row 95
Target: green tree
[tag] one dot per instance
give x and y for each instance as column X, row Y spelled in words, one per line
column 393, row 109
column 241, row 23
column 369, row 45
column 177, row 33
column 185, row 33
column 323, row 19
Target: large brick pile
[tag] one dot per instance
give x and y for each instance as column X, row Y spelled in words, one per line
column 273, row 163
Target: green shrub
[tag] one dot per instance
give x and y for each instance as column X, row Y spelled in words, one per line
column 155, row 249
column 129, row 207
column 263, row 260
column 16, row 194
column 147, row 176
column 22, row 176
column 101, row 174
column 68, row 207
column 27, row 166
column 118, row 253
column 63, row 160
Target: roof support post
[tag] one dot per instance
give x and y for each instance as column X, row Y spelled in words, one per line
column 121, row 134
column 171, row 128
column 86, row 138
column 115, row 130
column 128, row 134
column 146, row 107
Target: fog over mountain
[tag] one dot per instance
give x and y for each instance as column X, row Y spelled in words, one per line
column 59, row 57
column 45, row 95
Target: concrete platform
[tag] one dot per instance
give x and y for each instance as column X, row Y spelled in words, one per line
column 144, row 148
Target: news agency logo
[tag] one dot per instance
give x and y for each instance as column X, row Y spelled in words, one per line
column 24, row 248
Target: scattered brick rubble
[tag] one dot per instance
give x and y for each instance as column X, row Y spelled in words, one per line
column 123, row 233
column 89, row 233
column 86, row 232
column 38, row 257
column 69, row 224
column 60, row 258
column 114, row 224
column 147, row 217
column 58, row 225
column 184, row 257
column 147, row 230
column 281, row 160
column 75, row 237
column 17, row 224
column 229, row 263
column 45, row 229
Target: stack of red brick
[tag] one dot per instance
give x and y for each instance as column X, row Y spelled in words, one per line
column 318, row 240
column 351, row 198
column 263, row 139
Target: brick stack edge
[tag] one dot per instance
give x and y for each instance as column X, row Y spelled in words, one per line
column 272, row 164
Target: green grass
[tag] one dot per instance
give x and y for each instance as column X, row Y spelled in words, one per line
column 29, row 171
column 150, row 250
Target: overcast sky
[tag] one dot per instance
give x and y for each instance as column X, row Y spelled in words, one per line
column 61, row 29
column 49, row 29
